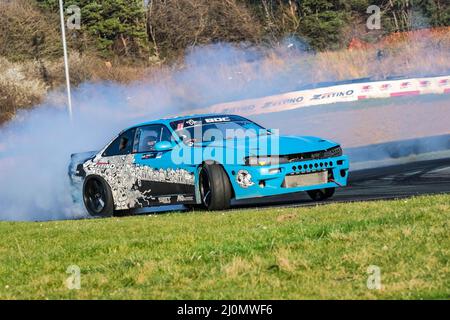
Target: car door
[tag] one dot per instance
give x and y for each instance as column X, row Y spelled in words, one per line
column 116, row 166
column 160, row 180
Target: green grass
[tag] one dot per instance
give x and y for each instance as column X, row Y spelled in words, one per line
column 287, row 253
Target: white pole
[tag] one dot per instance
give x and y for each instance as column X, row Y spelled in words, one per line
column 66, row 62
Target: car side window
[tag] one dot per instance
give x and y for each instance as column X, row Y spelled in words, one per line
column 122, row 145
column 148, row 136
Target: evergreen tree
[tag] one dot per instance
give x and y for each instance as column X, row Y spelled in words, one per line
column 117, row 26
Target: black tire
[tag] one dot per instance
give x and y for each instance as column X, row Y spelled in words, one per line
column 321, row 194
column 215, row 187
column 97, row 197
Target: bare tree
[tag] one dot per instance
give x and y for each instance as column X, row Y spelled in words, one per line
column 174, row 25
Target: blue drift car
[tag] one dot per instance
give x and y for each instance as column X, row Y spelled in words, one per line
column 203, row 160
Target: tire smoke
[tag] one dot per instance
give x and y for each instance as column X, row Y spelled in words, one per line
column 36, row 145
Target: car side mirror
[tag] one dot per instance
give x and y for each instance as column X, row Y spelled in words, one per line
column 163, row 146
column 273, row 131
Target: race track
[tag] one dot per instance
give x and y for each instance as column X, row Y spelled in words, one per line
column 399, row 181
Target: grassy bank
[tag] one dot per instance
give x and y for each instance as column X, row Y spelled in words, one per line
column 317, row 252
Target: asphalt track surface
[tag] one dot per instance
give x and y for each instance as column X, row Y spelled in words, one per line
column 392, row 182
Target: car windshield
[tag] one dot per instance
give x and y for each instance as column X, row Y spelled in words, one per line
column 207, row 129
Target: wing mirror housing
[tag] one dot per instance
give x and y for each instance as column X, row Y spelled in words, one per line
column 163, row 146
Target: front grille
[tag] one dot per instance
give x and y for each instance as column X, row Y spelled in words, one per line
column 315, row 155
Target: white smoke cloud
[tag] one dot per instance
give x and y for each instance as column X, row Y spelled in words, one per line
column 35, row 147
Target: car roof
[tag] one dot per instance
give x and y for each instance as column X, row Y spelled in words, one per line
column 169, row 120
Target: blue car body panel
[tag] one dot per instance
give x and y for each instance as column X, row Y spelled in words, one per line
column 274, row 178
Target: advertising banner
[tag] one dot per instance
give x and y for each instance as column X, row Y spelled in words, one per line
column 333, row 94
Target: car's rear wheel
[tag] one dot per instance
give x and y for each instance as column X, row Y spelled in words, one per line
column 321, row 194
column 215, row 187
column 97, row 197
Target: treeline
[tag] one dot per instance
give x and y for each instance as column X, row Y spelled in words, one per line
column 127, row 40
column 156, row 30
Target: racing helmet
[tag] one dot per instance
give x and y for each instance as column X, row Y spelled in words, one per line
column 149, row 143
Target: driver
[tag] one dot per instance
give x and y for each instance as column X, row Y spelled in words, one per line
column 149, row 143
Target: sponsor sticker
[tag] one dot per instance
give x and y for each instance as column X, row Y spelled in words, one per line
column 182, row 198
column 103, row 165
column 385, row 86
column 218, row 119
column 270, row 104
column 367, row 88
column 164, row 200
column 405, row 84
column 238, row 109
column 424, row 83
column 328, row 95
column 192, row 122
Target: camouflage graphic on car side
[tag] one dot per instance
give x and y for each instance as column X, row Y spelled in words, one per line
column 126, row 179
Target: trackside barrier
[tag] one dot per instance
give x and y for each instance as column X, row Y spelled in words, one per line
column 333, row 94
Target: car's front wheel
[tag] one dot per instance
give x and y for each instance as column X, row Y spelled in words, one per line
column 215, row 187
column 97, row 197
column 321, row 194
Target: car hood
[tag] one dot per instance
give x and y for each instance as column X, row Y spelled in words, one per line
column 274, row 145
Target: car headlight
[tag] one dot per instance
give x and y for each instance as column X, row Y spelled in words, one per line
column 333, row 152
column 265, row 161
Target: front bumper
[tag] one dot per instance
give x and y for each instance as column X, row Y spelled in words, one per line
column 268, row 180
